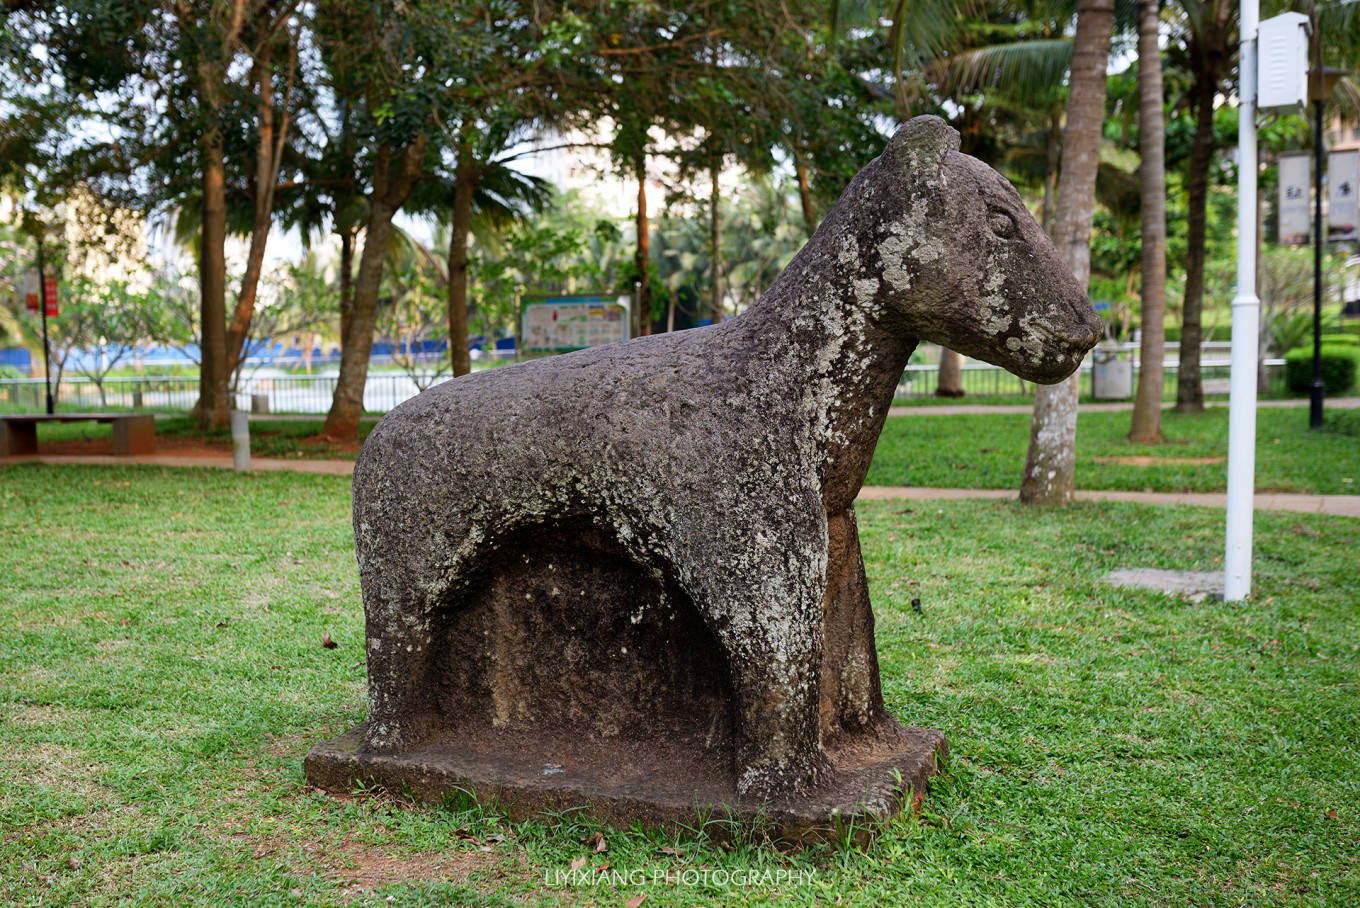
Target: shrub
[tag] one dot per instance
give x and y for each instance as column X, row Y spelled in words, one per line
column 1339, row 365
column 1220, row 332
column 1341, row 340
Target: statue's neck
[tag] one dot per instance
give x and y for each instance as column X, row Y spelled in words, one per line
column 829, row 323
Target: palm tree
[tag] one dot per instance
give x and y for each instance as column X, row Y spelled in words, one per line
column 1210, row 44
column 1146, row 426
column 1051, row 463
column 1016, row 60
column 488, row 189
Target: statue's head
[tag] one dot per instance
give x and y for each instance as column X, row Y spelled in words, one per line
column 960, row 261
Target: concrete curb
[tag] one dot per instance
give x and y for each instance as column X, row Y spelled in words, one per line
column 1338, row 505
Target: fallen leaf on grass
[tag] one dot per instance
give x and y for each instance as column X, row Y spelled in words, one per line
column 597, row 842
column 578, row 863
column 674, row 852
column 328, row 643
column 635, row 901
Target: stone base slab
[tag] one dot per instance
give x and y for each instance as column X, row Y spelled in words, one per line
column 874, row 779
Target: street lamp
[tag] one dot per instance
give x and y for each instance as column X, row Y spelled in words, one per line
column 1321, row 81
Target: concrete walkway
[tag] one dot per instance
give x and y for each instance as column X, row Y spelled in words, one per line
column 267, row 464
column 1340, row 505
column 1339, row 403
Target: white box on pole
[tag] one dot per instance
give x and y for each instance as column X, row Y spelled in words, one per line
column 1282, row 84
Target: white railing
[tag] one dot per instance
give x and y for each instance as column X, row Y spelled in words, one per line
column 311, row 394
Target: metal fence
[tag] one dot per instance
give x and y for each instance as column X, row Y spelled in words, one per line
column 985, row 380
column 311, row 394
column 283, row 393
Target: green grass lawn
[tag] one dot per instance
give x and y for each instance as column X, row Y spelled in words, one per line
column 162, row 675
column 987, row 451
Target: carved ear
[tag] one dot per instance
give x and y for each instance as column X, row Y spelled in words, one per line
column 921, row 143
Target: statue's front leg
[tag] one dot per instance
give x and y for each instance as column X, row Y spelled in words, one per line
column 399, row 637
column 851, row 695
column 762, row 593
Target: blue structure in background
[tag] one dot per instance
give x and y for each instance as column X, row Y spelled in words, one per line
column 17, row 358
column 263, row 353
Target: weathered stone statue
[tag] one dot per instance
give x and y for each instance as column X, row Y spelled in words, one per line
column 630, row 576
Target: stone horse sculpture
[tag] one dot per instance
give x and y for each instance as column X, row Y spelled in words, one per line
column 630, row 576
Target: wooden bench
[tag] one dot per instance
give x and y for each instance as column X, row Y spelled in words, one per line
column 133, row 433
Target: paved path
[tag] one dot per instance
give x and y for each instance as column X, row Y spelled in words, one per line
column 296, row 465
column 1339, row 403
column 1342, row 505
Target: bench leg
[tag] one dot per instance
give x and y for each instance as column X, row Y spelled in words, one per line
column 18, row 438
column 134, row 434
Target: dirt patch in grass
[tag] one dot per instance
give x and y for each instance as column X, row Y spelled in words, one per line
column 165, row 444
column 1150, row 460
column 54, row 766
column 361, row 868
column 264, row 443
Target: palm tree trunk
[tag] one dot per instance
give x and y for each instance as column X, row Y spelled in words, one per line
column 1263, row 334
column 212, row 410
column 347, row 239
column 949, row 382
column 643, row 303
column 342, row 421
column 1146, row 426
column 715, row 304
column 268, row 162
column 464, row 184
column 805, row 193
column 1055, row 145
column 1050, row 466
column 1189, row 387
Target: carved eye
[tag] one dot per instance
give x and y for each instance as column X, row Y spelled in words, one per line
column 1001, row 223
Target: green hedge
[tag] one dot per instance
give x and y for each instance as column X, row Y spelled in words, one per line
column 1341, row 340
column 1222, row 332
column 1339, row 365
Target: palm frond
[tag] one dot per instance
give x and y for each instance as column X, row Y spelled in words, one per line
column 1025, row 66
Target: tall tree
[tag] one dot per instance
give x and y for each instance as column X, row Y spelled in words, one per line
column 379, row 44
column 1146, row 426
column 212, row 37
column 197, row 100
column 1050, row 465
column 1210, row 45
column 398, row 164
column 1001, row 62
column 528, row 70
column 484, row 195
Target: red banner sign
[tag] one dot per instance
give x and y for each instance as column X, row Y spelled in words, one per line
column 31, row 291
column 50, row 296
